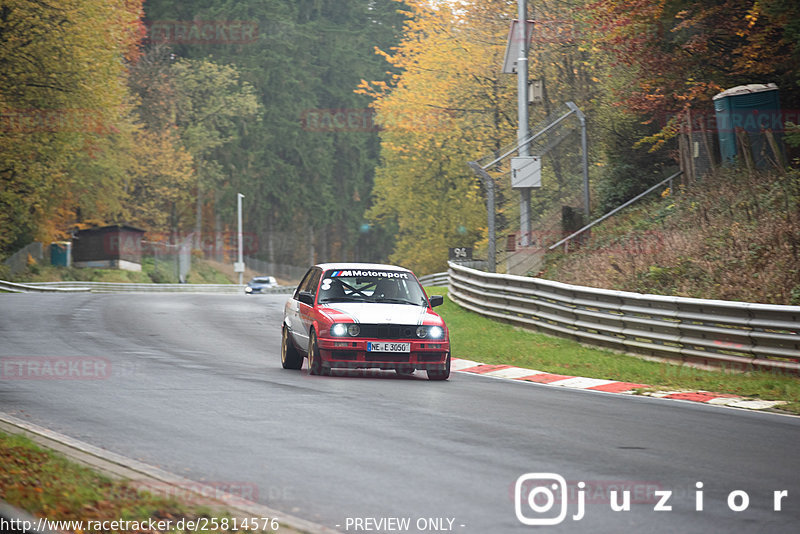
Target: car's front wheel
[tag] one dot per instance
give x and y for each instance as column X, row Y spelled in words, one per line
column 440, row 374
column 315, row 366
column 290, row 357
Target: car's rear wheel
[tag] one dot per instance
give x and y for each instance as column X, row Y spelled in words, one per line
column 315, row 366
column 290, row 357
column 440, row 374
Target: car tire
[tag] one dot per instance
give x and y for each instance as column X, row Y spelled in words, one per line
column 290, row 357
column 440, row 374
column 315, row 366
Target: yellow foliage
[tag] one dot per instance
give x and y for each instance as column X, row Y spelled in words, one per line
column 62, row 95
column 451, row 104
column 161, row 180
column 445, row 109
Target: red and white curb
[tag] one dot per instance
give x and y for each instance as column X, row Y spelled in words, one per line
column 509, row 372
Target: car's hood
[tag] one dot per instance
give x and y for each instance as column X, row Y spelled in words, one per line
column 376, row 313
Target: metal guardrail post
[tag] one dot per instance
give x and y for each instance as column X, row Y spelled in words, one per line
column 488, row 183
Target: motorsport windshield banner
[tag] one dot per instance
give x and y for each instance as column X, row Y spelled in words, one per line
column 360, row 273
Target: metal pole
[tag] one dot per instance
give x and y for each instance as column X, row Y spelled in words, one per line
column 492, row 267
column 522, row 109
column 239, row 214
column 488, row 182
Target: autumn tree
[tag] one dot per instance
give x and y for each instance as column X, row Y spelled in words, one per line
column 450, row 62
column 678, row 55
column 161, row 182
column 657, row 61
column 62, row 90
column 209, row 104
column 449, row 105
column 306, row 187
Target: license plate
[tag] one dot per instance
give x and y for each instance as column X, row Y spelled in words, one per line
column 388, row 347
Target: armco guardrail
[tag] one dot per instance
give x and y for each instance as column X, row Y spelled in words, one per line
column 13, row 287
column 435, row 279
column 736, row 335
column 114, row 287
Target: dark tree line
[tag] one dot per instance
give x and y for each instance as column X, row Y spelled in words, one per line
column 305, row 167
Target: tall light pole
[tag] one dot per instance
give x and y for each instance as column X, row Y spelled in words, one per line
column 239, row 267
column 522, row 114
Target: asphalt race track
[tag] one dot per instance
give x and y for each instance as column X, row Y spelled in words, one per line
column 193, row 384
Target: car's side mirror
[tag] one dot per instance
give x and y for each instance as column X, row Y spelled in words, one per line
column 436, row 300
column 306, row 297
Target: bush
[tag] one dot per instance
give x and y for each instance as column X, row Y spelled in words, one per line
column 163, row 274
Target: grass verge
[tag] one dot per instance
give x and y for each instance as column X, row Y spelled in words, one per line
column 202, row 272
column 46, row 484
column 487, row 341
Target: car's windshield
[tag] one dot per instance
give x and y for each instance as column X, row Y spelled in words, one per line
column 388, row 287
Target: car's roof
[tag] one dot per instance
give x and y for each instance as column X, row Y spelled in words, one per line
column 380, row 266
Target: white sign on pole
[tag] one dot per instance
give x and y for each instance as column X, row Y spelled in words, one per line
column 526, row 172
column 512, row 47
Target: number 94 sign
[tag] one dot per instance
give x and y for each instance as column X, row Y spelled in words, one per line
column 461, row 254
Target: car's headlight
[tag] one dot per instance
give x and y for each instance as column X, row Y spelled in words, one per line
column 432, row 332
column 341, row 330
column 248, row 289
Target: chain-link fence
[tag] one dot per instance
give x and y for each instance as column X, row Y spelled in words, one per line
column 171, row 261
column 557, row 208
column 289, row 273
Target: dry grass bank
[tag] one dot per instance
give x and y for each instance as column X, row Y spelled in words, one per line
column 731, row 236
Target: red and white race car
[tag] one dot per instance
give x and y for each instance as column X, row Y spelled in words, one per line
column 357, row 315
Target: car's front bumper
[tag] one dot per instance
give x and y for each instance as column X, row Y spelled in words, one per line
column 353, row 354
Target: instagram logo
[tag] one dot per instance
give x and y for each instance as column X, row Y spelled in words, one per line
column 541, row 499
